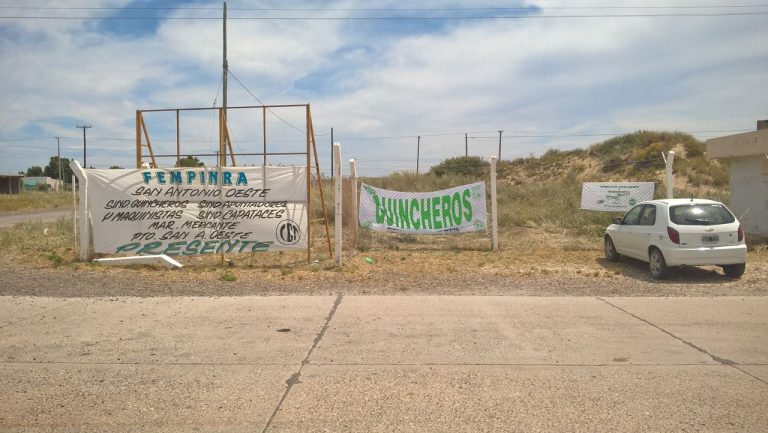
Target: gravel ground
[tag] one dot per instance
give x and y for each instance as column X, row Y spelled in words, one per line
column 582, row 273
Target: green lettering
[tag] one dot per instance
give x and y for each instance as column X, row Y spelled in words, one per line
column 426, row 214
column 380, row 211
column 192, row 248
column 390, row 214
column 209, row 247
column 405, row 219
column 150, row 247
column 445, row 210
column 227, row 178
column 176, row 177
column 213, row 178
column 241, row 179
column 227, row 243
column 191, row 176
column 436, row 213
column 467, row 205
column 261, row 246
column 456, row 208
column 127, row 247
column 174, row 248
column 415, row 219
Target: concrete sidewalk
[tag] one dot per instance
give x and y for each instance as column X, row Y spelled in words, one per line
column 358, row 364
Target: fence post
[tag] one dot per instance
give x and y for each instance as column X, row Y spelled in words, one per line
column 74, row 212
column 669, row 159
column 354, row 222
column 337, row 200
column 85, row 232
column 494, row 212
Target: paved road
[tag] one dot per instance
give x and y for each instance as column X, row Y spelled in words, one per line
column 383, row 364
column 8, row 219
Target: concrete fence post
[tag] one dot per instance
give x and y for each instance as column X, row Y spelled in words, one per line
column 337, row 220
column 85, row 229
column 494, row 211
column 354, row 223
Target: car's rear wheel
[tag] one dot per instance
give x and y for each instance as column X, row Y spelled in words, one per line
column 657, row 264
column 610, row 250
column 735, row 271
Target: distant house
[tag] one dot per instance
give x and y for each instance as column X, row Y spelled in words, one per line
column 37, row 183
column 748, row 153
column 10, row 183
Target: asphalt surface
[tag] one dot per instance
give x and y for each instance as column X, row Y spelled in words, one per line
column 384, row 363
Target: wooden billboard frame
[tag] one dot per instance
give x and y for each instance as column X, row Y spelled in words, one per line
column 226, row 148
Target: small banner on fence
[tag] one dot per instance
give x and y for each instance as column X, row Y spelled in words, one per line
column 615, row 196
column 190, row 211
column 456, row 210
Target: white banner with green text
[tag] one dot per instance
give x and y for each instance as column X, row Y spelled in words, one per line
column 615, row 196
column 455, row 210
column 190, row 211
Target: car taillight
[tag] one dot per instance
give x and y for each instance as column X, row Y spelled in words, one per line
column 741, row 233
column 674, row 235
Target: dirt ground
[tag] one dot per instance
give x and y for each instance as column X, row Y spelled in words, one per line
column 531, row 262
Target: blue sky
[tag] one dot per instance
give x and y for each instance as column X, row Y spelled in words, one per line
column 438, row 73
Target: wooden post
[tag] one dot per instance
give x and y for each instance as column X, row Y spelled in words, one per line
column 494, row 212
column 354, row 223
column 178, row 140
column 337, row 200
column 138, row 139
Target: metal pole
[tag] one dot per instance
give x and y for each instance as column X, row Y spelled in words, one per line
column 58, row 155
column 331, row 151
column 498, row 155
column 466, row 145
column 178, row 140
column 225, row 73
column 418, row 150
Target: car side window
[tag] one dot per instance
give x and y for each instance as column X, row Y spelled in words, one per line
column 632, row 218
column 648, row 216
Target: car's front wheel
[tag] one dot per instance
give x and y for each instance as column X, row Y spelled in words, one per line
column 610, row 250
column 735, row 271
column 657, row 264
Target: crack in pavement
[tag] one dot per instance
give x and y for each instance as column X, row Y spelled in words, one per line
column 720, row 360
column 296, row 377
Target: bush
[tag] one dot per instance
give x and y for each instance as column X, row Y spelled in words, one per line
column 463, row 165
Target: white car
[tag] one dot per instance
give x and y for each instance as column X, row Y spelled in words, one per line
column 674, row 232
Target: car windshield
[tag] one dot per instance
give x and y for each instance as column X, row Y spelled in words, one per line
column 700, row 215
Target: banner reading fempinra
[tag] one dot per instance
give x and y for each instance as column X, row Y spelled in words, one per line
column 455, row 210
column 190, row 211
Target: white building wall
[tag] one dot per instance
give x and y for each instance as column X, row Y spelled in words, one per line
column 749, row 192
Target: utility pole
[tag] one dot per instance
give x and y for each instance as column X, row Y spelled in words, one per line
column 225, row 74
column 466, row 146
column 84, row 127
column 498, row 155
column 58, row 154
column 418, row 145
column 331, row 151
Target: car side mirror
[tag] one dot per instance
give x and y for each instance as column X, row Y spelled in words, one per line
column 618, row 221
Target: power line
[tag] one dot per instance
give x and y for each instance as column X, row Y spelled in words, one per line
column 392, row 9
column 396, row 18
column 262, row 103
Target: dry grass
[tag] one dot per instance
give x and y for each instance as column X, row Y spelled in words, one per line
column 35, row 200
